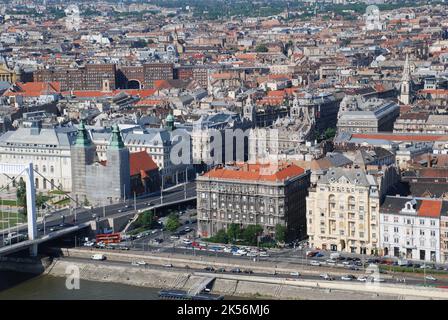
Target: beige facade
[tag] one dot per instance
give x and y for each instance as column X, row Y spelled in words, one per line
column 343, row 209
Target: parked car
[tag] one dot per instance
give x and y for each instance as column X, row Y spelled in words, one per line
column 168, row 265
column 208, row 268
column 294, row 274
column 221, row 270
column 263, row 254
column 315, row 263
column 348, row 277
column 430, row 278
column 99, row 257
column 326, row 276
column 248, row 271
column 236, row 270
column 362, row 279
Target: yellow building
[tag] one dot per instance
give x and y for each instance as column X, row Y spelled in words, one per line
column 8, row 75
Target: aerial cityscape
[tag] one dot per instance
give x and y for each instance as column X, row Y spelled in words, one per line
column 224, row 149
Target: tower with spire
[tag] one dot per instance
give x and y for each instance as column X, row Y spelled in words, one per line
column 82, row 155
column 249, row 111
column 406, row 83
column 118, row 167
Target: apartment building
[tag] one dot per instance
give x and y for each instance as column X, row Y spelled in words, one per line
column 411, row 228
column 343, row 209
column 253, row 194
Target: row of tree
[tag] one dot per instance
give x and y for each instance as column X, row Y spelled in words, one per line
column 249, row 235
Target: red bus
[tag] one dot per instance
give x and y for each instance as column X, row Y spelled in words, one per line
column 108, row 238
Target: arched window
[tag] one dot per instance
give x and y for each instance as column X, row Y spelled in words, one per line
column 36, row 183
column 44, row 168
column 44, row 184
column 52, row 184
column 332, row 201
column 51, row 169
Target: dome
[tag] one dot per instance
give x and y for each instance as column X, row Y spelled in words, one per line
column 170, row 118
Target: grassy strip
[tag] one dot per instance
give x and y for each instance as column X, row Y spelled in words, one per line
column 12, row 203
column 411, row 270
column 62, row 202
column 59, row 192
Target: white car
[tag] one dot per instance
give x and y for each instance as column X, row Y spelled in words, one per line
column 141, row 263
column 227, row 250
column 252, row 254
column 187, row 242
column 88, row 244
column 264, row 254
column 315, row 263
column 347, row 278
column 294, row 274
column 326, row 276
column 430, row 278
column 362, row 279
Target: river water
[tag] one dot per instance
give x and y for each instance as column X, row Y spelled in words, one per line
column 23, row 286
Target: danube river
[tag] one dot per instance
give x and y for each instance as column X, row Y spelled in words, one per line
column 23, row 286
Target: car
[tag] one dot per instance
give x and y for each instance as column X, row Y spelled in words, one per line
column 168, row 265
column 348, row 277
column 294, row 274
column 346, row 263
column 187, row 242
column 353, row 267
column 248, row 271
column 315, row 263
column 221, row 270
column 239, row 253
column 326, row 276
column 377, row 279
column 211, row 269
column 174, row 237
column 319, row 255
column 330, row 261
column 236, row 270
column 158, row 240
column 88, row 244
column 252, row 254
column 187, row 229
column 311, row 254
column 99, row 257
column 430, row 278
column 425, row 266
column 263, row 254
column 141, row 263
column 362, row 278
column 124, row 248
column 134, row 263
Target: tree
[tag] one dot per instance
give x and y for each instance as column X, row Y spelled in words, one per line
column 329, row 133
column 261, row 48
column 146, row 219
column 251, row 233
column 220, row 237
column 21, row 193
column 280, row 232
column 233, row 232
column 172, row 222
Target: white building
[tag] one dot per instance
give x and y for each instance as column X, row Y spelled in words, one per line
column 410, row 228
column 47, row 149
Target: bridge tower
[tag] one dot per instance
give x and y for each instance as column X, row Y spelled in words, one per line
column 27, row 170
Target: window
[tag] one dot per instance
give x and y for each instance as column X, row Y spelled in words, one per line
column 396, row 229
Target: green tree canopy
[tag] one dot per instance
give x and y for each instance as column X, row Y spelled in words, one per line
column 220, row 237
column 280, row 233
column 234, row 232
column 261, row 48
column 251, row 233
column 172, row 222
column 146, row 219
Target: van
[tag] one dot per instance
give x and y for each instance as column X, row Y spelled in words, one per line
column 99, row 257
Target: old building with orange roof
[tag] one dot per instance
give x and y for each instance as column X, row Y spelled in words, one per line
column 267, row 195
column 414, row 228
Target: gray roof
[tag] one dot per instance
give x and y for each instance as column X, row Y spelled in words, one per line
column 354, row 176
column 51, row 138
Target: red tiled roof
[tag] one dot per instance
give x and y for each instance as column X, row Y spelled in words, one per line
column 98, row 93
column 141, row 161
column 430, row 208
column 33, row 89
column 254, row 172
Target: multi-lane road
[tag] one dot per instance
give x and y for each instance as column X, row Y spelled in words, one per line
column 67, row 218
